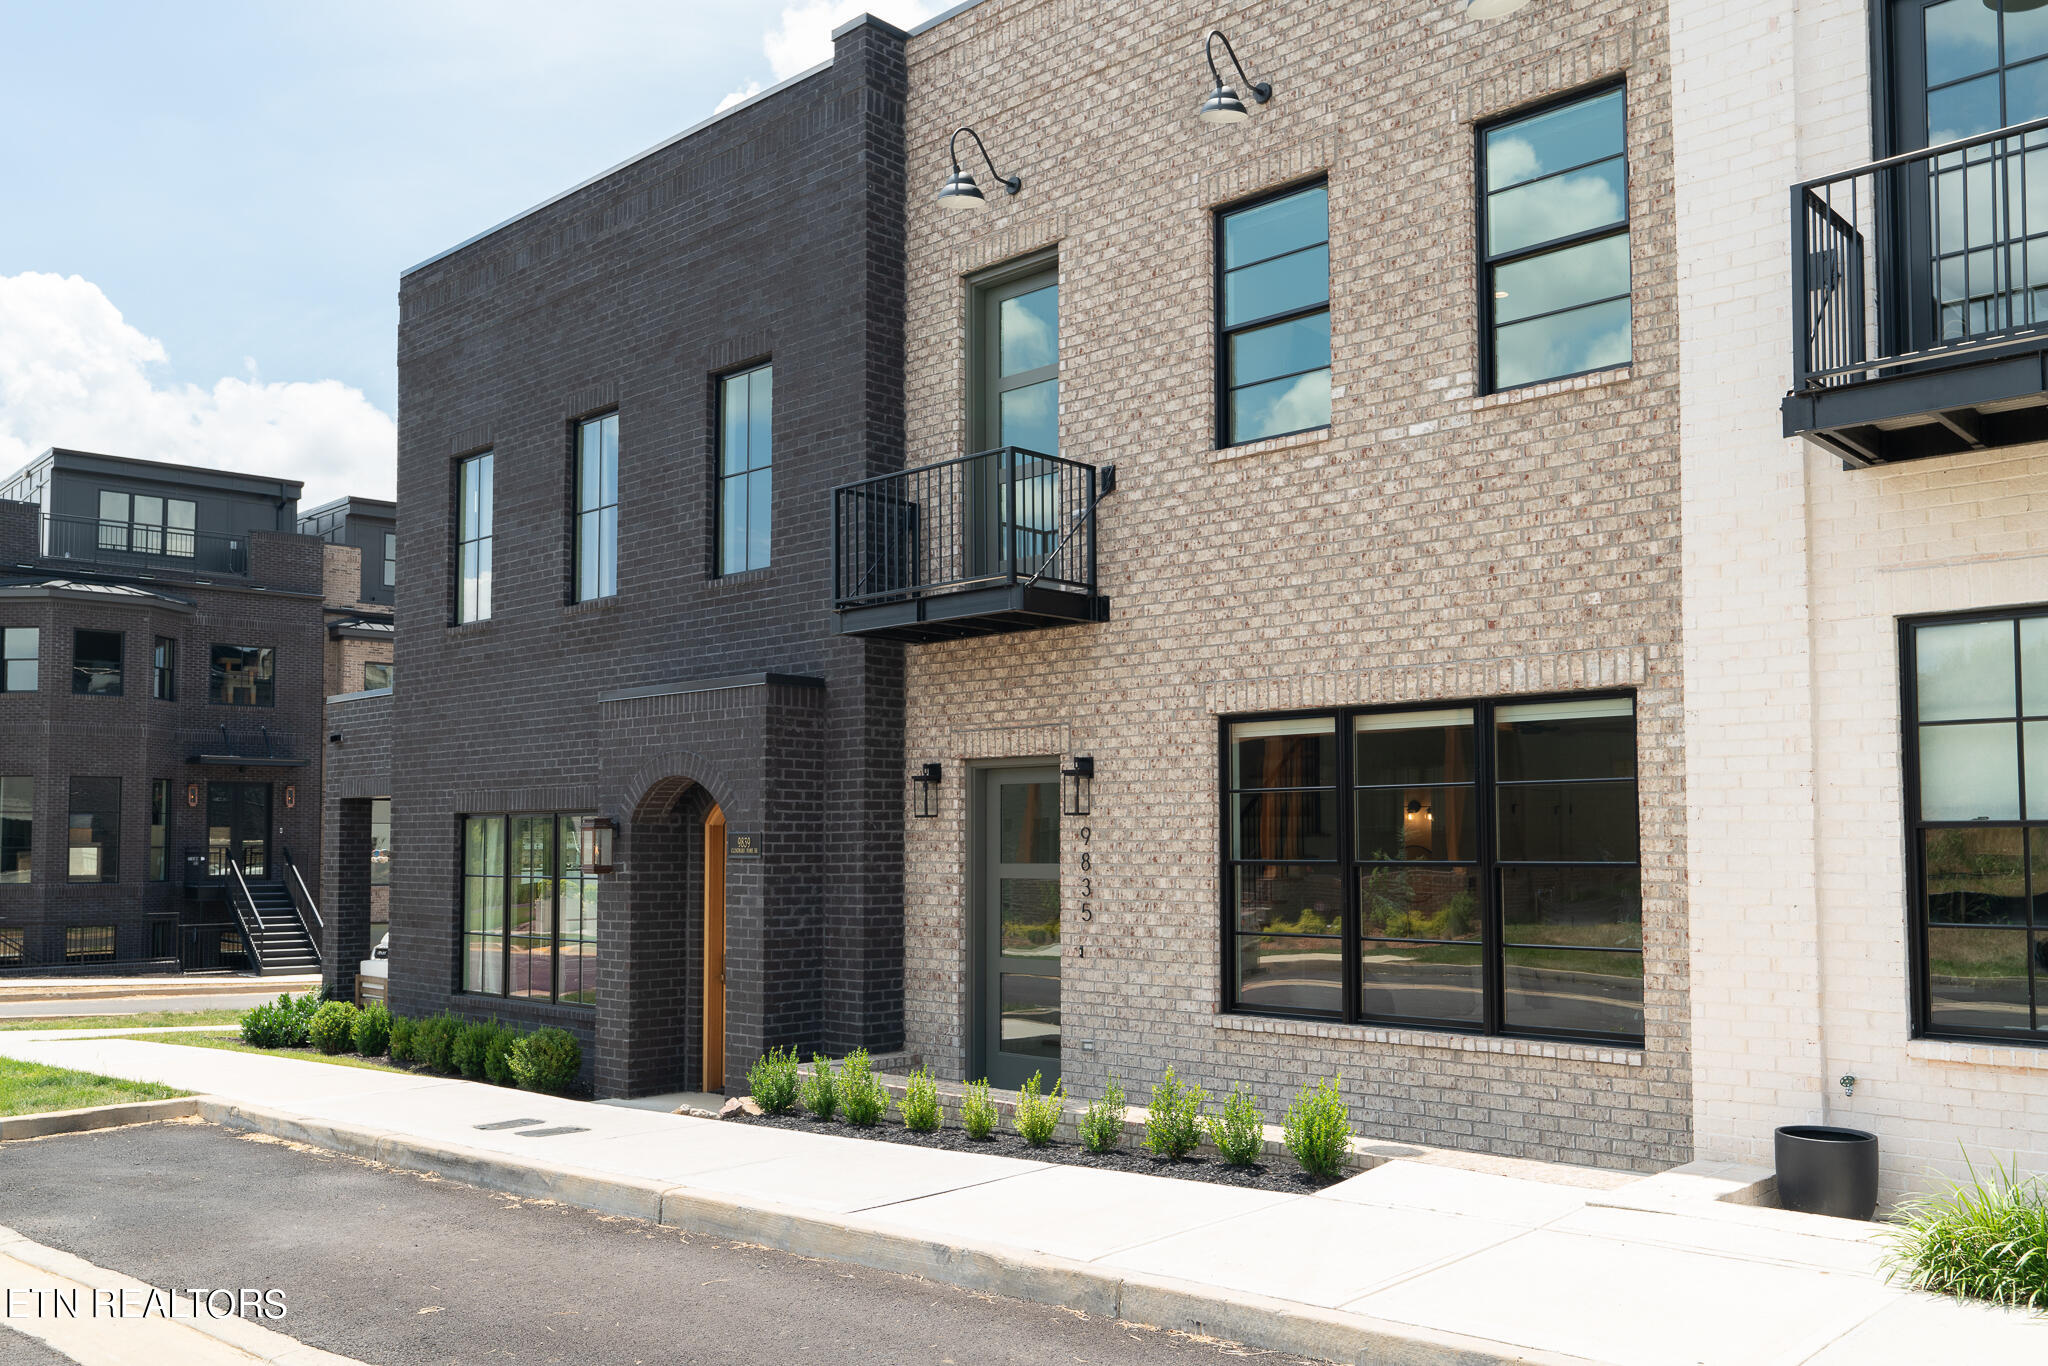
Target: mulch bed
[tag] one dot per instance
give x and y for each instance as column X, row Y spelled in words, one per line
column 1129, row 1158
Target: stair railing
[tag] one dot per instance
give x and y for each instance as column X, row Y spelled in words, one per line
column 303, row 903
column 252, row 936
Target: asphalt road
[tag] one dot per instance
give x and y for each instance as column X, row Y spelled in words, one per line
column 401, row 1269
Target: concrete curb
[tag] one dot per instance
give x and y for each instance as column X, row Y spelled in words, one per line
column 97, row 1117
column 1254, row 1320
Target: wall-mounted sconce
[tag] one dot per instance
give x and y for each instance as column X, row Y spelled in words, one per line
column 1077, row 783
column 960, row 191
column 594, row 843
column 926, row 781
column 1492, row 9
column 1223, row 105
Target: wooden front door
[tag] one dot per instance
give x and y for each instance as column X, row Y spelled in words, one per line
column 714, row 950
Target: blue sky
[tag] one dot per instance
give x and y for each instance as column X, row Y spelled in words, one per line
column 235, row 188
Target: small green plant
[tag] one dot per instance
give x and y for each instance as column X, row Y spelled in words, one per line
column 774, row 1081
column 333, row 1027
column 546, row 1060
column 1102, row 1123
column 821, row 1089
column 920, row 1108
column 1239, row 1133
column 498, row 1057
column 864, row 1099
column 283, row 1023
column 1984, row 1239
column 402, row 1031
column 1318, row 1129
column 433, row 1043
column 373, row 1030
column 977, row 1110
column 1038, row 1115
column 1173, row 1128
column 472, row 1044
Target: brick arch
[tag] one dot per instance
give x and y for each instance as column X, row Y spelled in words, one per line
column 659, row 782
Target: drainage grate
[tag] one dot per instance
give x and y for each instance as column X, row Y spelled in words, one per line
column 557, row 1130
column 508, row 1124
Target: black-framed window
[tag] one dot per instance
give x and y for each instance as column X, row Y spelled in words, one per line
column 1554, row 240
column 376, row 674
column 163, row 669
column 1273, row 316
column 746, row 469
column 88, row 943
column 390, row 559
column 23, row 650
column 529, row 915
column 17, row 829
column 474, row 478
column 242, row 675
column 96, row 663
column 159, row 830
column 1977, row 809
column 144, row 524
column 163, row 939
column 94, row 852
column 597, row 508
column 1471, row 867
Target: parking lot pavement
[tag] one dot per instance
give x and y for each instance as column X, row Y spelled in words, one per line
column 398, row 1268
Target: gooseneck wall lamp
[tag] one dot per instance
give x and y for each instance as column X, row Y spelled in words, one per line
column 960, row 191
column 1223, row 105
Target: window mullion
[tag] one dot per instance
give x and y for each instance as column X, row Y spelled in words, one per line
column 1492, row 931
column 1353, row 973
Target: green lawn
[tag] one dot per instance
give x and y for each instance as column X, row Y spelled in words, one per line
column 155, row 1019
column 233, row 1044
column 28, row 1088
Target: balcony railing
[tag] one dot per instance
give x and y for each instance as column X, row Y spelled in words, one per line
column 1920, row 296
column 999, row 541
column 96, row 541
column 261, row 747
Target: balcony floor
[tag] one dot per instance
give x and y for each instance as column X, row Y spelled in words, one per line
column 972, row 612
column 1987, row 401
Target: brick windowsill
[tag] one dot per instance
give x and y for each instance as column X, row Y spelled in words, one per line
column 1978, row 1054
column 1597, row 379
column 1422, row 1038
column 1270, row 445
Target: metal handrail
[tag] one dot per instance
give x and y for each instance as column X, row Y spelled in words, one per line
column 2016, row 130
column 98, row 540
column 319, row 924
column 250, row 936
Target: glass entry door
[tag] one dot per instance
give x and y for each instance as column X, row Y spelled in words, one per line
column 1016, row 403
column 238, row 827
column 1017, row 908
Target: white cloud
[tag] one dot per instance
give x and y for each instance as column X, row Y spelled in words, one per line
column 74, row 372
column 802, row 36
column 753, row 89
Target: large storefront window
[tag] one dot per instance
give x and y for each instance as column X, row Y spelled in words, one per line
column 1471, row 868
column 1977, row 794
column 529, row 916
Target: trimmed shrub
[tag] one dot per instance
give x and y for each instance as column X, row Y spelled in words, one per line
column 373, row 1030
column 1102, row 1123
column 282, row 1023
column 863, row 1098
column 1239, row 1133
column 1318, row 1129
column 333, row 1028
column 498, row 1057
column 977, row 1111
column 472, row 1041
column 1038, row 1115
column 920, row 1108
column 402, row 1030
column 433, row 1043
column 1173, row 1128
column 1984, row 1240
column 774, row 1081
column 546, row 1060
column 821, row 1089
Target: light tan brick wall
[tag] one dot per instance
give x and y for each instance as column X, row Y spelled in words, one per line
column 1432, row 544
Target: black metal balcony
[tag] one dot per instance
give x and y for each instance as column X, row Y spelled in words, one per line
column 260, row 747
column 144, row 545
column 1920, row 301
column 989, row 543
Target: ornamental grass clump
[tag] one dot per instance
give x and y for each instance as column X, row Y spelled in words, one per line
column 333, row 1028
column 1318, row 1129
column 977, row 1110
column 1102, row 1122
column 774, row 1080
column 1038, row 1113
column 861, row 1096
column 1173, row 1127
column 920, row 1108
column 373, row 1030
column 1983, row 1240
column 821, row 1089
column 1239, row 1133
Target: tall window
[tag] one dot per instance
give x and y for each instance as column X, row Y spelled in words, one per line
column 376, row 674
column 23, row 647
column 147, row 525
column 390, row 559
column 746, row 452
column 380, row 841
column 597, row 508
column 163, row 670
column 17, row 828
column 1471, row 867
column 473, row 598
column 242, row 676
column 529, row 915
column 1018, row 356
column 159, row 829
column 1274, row 316
column 1554, row 241
column 96, row 663
column 95, row 830
column 1977, row 785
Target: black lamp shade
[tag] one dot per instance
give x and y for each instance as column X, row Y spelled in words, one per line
column 1223, row 106
column 961, row 192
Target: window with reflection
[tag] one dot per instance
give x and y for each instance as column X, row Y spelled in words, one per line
column 597, row 508
column 24, row 653
column 1273, row 323
column 475, row 479
column 242, row 676
column 1554, row 240
column 529, row 912
column 746, row 469
column 1472, row 867
column 1978, row 796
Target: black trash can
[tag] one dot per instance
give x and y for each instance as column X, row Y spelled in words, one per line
column 1825, row 1170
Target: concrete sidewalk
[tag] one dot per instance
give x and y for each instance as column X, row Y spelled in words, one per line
column 1413, row 1260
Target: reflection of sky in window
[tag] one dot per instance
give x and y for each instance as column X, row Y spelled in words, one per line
column 1288, row 405
column 1030, row 328
column 1031, row 417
